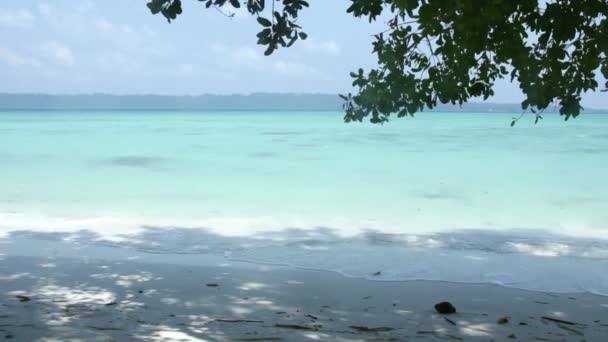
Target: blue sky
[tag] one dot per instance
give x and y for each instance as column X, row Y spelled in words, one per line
column 117, row 46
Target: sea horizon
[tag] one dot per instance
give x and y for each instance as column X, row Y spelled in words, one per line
column 237, row 102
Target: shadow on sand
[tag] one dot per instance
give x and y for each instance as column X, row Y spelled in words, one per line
column 127, row 297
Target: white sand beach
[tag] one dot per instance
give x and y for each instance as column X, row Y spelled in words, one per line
column 129, row 296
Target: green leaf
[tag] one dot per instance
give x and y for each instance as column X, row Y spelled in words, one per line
column 269, row 50
column 292, row 40
column 155, row 6
column 264, row 22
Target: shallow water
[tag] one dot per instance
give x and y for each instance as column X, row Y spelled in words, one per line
column 461, row 197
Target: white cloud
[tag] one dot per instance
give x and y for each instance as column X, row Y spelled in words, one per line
column 71, row 21
column 328, row 47
column 238, row 56
column 187, row 68
column 77, row 8
column 85, row 6
column 292, row 68
column 116, row 61
column 202, row 72
column 246, row 56
column 217, row 48
column 83, row 20
column 248, row 59
column 104, row 26
column 45, row 9
column 13, row 58
column 129, row 38
column 285, row 67
column 17, row 18
column 96, row 41
column 60, row 53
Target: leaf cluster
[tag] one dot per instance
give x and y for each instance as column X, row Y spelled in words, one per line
column 452, row 51
column 278, row 28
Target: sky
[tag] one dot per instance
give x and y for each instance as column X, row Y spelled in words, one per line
column 118, row 47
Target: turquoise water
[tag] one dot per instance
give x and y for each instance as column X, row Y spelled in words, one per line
column 447, row 182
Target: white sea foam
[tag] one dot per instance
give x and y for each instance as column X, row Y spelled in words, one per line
column 528, row 259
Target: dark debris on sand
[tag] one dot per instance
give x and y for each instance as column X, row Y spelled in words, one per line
column 445, row 308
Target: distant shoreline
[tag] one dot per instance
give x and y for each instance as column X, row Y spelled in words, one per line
column 274, row 102
column 252, row 111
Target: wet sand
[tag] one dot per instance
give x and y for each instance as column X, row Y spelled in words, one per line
column 121, row 299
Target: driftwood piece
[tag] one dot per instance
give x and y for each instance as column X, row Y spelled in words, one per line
column 23, row 298
column 295, row 327
column 363, row 328
column 449, row 321
column 557, row 320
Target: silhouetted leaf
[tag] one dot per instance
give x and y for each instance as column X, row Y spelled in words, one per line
column 264, row 22
column 438, row 53
column 269, row 50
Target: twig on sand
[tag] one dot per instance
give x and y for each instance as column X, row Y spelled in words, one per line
column 362, row 328
column 438, row 334
column 141, row 321
column 23, row 298
column 101, row 328
column 557, row 320
column 449, row 321
column 17, row 325
column 295, row 327
column 238, row 321
column 574, row 331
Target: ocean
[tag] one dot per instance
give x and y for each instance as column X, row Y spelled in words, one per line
column 443, row 196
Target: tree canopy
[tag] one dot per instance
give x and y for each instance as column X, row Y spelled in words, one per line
column 450, row 51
